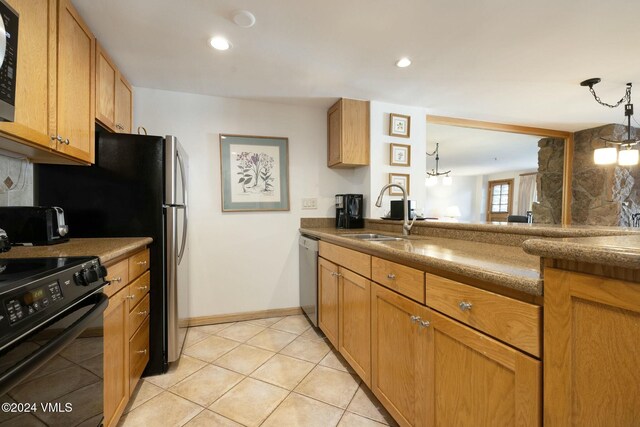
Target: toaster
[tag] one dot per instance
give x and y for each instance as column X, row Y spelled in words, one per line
column 34, row 225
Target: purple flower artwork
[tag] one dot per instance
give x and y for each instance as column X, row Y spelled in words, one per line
column 255, row 172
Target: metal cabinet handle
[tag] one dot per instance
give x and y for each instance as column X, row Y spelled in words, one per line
column 130, row 297
column 56, row 138
column 424, row 324
column 142, row 263
column 334, row 274
column 142, row 288
column 391, row 276
column 142, row 313
column 116, row 279
column 465, row 305
column 415, row 319
column 142, row 351
column 66, row 141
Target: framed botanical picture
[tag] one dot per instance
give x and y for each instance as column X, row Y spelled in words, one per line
column 255, row 173
column 399, row 125
column 403, row 179
column 400, row 155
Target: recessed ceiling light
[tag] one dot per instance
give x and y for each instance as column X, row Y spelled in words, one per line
column 219, row 43
column 244, row 18
column 403, row 62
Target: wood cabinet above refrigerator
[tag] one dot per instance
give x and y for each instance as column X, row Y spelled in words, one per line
column 113, row 94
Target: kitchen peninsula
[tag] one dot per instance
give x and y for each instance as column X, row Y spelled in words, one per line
column 456, row 292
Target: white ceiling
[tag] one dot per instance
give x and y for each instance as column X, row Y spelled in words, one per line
column 499, row 60
column 467, row 151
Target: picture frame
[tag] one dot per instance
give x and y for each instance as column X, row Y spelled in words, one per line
column 399, row 125
column 399, row 154
column 254, row 173
column 403, row 179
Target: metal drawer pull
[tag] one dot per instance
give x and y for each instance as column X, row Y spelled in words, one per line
column 142, row 351
column 116, row 279
column 465, row 306
column 391, row 276
column 142, row 263
column 424, row 323
column 66, row 141
column 334, row 274
column 130, row 297
column 414, row 319
column 142, row 313
column 143, row 288
column 56, row 138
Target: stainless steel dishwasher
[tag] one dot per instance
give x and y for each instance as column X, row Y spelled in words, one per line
column 309, row 277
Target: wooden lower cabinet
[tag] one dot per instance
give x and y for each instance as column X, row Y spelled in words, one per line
column 398, row 354
column 328, row 311
column 355, row 322
column 126, row 336
column 477, row 381
column 591, row 350
column 116, row 357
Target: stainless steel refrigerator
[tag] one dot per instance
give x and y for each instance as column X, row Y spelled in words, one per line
column 137, row 187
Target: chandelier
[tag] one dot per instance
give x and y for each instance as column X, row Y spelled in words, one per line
column 626, row 155
column 432, row 177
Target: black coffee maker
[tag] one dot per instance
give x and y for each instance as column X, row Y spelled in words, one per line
column 349, row 211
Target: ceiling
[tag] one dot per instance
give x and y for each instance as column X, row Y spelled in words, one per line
column 496, row 60
column 467, row 151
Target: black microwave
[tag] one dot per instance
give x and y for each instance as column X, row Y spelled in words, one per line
column 8, row 61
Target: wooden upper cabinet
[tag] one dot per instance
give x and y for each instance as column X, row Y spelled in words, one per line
column 106, row 77
column 591, row 331
column 348, row 133
column 33, row 93
column 75, row 107
column 475, row 380
column 113, row 95
column 124, row 101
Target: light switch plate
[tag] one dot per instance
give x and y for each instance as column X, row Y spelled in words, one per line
column 310, row 203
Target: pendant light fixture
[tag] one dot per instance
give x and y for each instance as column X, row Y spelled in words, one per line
column 627, row 155
column 432, row 177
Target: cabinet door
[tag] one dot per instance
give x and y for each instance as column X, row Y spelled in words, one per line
column 334, row 124
column 591, row 331
column 328, row 300
column 106, row 76
column 475, row 380
column 355, row 323
column 124, row 98
column 76, row 84
column 398, row 346
column 116, row 357
column 34, row 68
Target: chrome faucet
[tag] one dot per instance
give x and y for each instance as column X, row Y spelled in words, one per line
column 406, row 227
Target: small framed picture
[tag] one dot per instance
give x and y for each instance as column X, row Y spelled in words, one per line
column 400, row 155
column 399, row 125
column 403, row 179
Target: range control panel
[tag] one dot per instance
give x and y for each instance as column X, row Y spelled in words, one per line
column 33, row 301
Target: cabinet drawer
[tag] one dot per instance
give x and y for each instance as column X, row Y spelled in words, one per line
column 138, row 263
column 138, row 354
column 138, row 314
column 353, row 260
column 515, row 322
column 402, row 279
column 118, row 275
column 138, row 289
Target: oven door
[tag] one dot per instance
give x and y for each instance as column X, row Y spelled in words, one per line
column 54, row 377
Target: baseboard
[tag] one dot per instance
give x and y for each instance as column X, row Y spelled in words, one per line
column 239, row 317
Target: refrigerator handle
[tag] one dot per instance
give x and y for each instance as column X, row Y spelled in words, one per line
column 185, row 223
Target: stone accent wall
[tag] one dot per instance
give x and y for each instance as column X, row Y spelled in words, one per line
column 548, row 209
column 602, row 195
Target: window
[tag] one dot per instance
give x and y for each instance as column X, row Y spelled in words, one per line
column 500, row 198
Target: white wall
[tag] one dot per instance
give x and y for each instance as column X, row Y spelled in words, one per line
column 380, row 142
column 461, row 193
column 245, row 261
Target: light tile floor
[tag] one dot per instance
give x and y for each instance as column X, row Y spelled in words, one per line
column 266, row 372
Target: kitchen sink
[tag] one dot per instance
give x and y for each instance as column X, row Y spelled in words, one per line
column 372, row 237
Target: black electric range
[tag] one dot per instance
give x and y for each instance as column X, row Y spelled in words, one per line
column 51, row 341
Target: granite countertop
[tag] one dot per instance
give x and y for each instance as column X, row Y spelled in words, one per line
column 106, row 249
column 506, row 266
column 617, row 251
